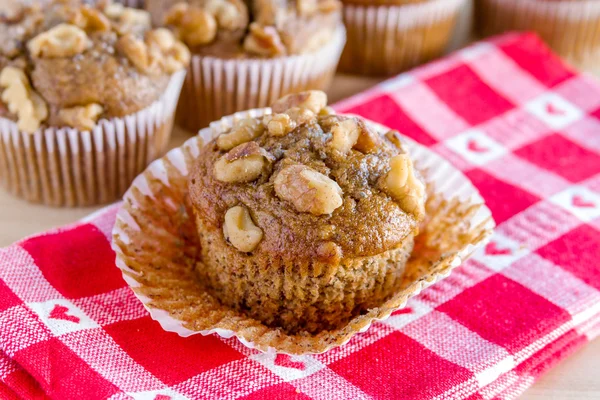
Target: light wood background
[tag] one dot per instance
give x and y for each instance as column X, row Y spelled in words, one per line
column 578, row 377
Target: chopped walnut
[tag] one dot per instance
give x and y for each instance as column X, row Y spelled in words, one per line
column 242, row 131
column 264, row 41
column 112, row 10
column 344, row 135
column 403, row 185
column 131, row 20
column 194, row 25
column 64, row 40
column 308, row 190
column 313, row 100
column 240, row 230
column 22, row 100
column 135, row 50
column 352, row 133
column 279, row 124
column 243, row 163
column 90, row 19
column 329, row 252
column 173, row 55
column 83, row 118
column 230, row 14
column 301, row 115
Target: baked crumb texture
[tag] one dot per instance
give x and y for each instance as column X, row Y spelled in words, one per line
column 258, row 28
column 70, row 63
column 306, row 218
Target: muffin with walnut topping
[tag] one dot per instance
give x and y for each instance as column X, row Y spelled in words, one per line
column 306, row 218
column 247, row 54
column 87, row 99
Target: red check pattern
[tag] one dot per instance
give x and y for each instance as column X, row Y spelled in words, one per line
column 521, row 125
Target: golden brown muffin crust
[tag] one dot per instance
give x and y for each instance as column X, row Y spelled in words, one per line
column 79, row 63
column 368, row 218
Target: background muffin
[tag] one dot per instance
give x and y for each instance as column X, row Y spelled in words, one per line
column 69, row 75
column 570, row 27
column 306, row 218
column 248, row 54
column 386, row 37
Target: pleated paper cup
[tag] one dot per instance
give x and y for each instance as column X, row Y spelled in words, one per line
column 216, row 87
column 570, row 27
column 384, row 40
column 68, row 167
column 157, row 247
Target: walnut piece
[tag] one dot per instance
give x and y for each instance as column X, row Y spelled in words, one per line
column 169, row 52
column 308, row 190
column 194, row 25
column 403, row 185
column 329, row 252
column 135, row 50
column 90, row 19
column 242, row 131
column 83, row 118
column 240, row 230
column 279, row 124
column 344, row 135
column 264, row 41
column 131, row 20
column 394, row 137
column 243, row 163
column 22, row 100
column 230, row 14
column 312, row 100
column 64, row 40
column 352, row 133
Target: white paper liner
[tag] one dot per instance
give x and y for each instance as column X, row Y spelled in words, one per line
column 385, row 40
column 570, row 27
column 217, row 87
column 68, row 167
column 449, row 183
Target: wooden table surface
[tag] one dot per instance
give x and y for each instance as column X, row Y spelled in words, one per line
column 576, row 378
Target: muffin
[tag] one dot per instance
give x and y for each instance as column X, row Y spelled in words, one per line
column 570, row 27
column 87, row 99
column 248, row 54
column 305, row 218
column 386, row 37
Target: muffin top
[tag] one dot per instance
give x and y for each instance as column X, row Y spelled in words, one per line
column 68, row 63
column 305, row 183
column 257, row 28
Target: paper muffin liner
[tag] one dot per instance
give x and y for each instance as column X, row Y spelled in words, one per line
column 570, row 27
column 68, row 167
column 385, row 40
column 156, row 245
column 216, row 87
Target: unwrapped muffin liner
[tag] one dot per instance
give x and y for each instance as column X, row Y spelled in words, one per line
column 156, row 245
column 68, row 167
column 216, row 87
column 570, row 27
column 385, row 40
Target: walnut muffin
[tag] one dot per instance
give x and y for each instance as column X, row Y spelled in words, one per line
column 386, row 37
column 570, row 27
column 247, row 54
column 305, row 218
column 68, row 64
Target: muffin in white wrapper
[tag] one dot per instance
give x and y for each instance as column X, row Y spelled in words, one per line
column 216, row 87
column 69, row 167
column 156, row 245
column 385, row 39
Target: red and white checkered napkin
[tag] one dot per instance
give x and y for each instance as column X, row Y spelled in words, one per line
column 522, row 126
